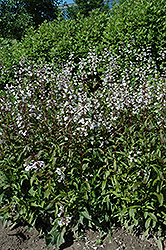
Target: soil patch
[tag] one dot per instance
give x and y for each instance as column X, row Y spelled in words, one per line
column 19, row 238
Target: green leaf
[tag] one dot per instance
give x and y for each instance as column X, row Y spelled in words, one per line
column 33, row 204
column 145, row 214
column 47, row 193
column 152, row 216
column 160, row 245
column 4, row 221
column 136, row 185
column 32, row 179
column 153, row 224
column 16, row 199
column 88, row 185
column 107, row 173
column 84, row 166
column 58, row 237
column 32, row 219
column 32, row 192
column 164, row 215
column 147, row 223
column 160, row 198
column 115, row 165
column 157, row 171
column 131, row 212
column 104, row 184
column 157, row 179
column 75, row 184
column 86, row 214
column 107, row 217
column 149, row 207
column 1, row 197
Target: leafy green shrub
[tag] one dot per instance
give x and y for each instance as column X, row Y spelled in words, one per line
column 71, row 157
column 55, row 41
column 143, row 22
column 9, row 55
column 58, row 39
column 139, row 23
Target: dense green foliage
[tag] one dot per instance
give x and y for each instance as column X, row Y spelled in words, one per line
column 55, row 41
column 141, row 22
column 135, row 23
column 16, row 16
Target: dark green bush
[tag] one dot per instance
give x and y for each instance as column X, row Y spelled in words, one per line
column 14, row 19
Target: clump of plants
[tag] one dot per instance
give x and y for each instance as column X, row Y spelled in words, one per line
column 78, row 152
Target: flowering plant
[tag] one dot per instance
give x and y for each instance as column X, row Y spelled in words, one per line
column 75, row 152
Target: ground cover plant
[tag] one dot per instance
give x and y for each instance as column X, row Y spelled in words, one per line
column 76, row 152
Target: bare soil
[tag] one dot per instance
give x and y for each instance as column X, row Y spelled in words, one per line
column 19, row 238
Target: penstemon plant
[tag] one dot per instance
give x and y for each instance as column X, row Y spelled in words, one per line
column 78, row 151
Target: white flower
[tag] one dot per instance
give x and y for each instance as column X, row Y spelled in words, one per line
column 64, row 221
column 59, row 215
column 58, row 171
column 68, row 219
column 34, row 165
column 82, row 121
column 60, row 222
column 62, row 178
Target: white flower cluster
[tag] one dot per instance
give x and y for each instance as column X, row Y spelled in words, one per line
column 60, row 172
column 133, row 91
column 34, row 165
column 63, row 220
column 133, row 156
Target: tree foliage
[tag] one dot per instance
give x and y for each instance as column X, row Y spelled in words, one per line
column 14, row 19
column 42, row 10
column 17, row 16
column 84, row 7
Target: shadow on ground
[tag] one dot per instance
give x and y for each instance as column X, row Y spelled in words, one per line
column 19, row 238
